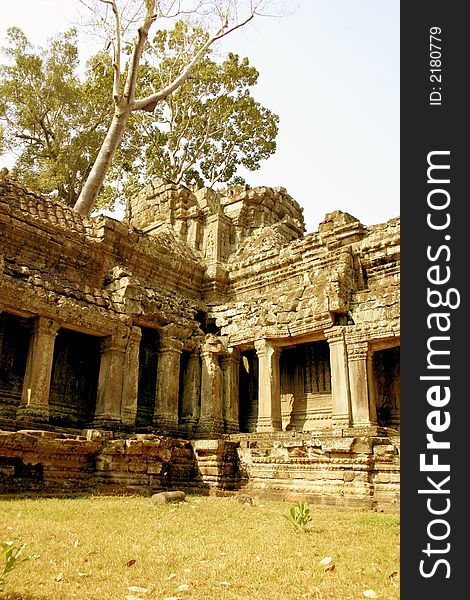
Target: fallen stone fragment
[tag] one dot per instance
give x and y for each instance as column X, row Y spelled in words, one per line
column 167, row 497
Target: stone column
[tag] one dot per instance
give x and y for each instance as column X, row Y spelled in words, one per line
column 37, row 379
column 211, row 421
column 109, row 396
column 165, row 416
column 361, row 412
column 191, row 393
column 130, row 383
column 230, row 364
column 269, row 390
column 341, row 401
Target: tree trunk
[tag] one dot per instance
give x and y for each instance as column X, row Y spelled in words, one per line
column 126, row 103
column 86, row 200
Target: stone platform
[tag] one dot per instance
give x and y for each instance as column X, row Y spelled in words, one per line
column 342, row 470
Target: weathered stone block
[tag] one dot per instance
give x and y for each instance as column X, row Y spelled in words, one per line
column 168, row 497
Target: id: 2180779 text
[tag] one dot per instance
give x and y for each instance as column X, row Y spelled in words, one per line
column 435, row 66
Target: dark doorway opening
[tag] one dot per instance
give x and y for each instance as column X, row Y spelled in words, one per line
column 148, row 360
column 74, row 379
column 387, row 386
column 15, row 337
column 248, row 415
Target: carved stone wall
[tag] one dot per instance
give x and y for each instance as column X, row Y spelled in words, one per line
column 203, row 314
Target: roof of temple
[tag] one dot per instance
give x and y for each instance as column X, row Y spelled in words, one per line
column 15, row 196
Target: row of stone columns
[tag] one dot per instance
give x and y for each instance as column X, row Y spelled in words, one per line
column 215, row 373
column 352, row 384
column 208, row 403
column 219, row 390
column 118, row 377
column 209, row 398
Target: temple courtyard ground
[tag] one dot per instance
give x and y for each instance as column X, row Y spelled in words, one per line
column 205, row 548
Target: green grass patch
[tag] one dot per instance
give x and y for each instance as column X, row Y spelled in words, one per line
column 206, row 548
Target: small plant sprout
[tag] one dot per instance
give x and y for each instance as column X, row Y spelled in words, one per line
column 299, row 516
column 11, row 558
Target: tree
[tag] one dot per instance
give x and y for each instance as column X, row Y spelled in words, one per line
column 211, row 125
column 125, row 79
column 51, row 119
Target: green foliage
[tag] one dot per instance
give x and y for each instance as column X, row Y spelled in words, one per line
column 52, row 120
column 55, row 119
column 211, row 125
column 11, row 558
column 299, row 516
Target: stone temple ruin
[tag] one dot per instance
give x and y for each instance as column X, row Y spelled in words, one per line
column 204, row 343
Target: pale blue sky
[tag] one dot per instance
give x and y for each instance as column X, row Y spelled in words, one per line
column 331, row 72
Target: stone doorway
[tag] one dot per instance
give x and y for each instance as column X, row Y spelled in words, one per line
column 74, row 379
column 387, row 386
column 306, row 386
column 248, row 382
column 148, row 361
column 15, row 337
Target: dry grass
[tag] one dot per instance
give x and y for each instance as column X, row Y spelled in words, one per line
column 214, row 548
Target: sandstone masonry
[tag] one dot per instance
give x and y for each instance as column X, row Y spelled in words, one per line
column 210, row 321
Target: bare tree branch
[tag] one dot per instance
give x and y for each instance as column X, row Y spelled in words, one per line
column 149, row 103
column 116, row 50
column 126, row 103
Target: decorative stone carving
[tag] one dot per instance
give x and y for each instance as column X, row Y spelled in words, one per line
column 341, row 285
column 241, row 259
column 211, row 421
column 236, row 265
column 130, row 381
